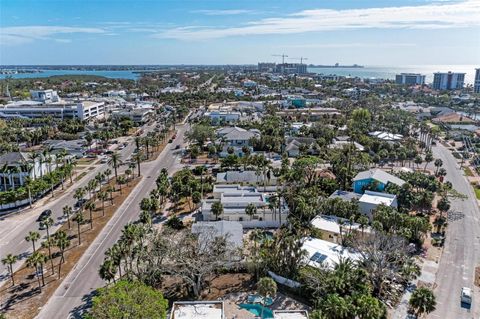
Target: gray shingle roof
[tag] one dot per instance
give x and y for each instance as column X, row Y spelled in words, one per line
column 14, row 158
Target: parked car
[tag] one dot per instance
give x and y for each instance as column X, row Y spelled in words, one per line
column 466, row 296
column 44, row 215
column 79, row 204
column 177, row 147
column 170, row 141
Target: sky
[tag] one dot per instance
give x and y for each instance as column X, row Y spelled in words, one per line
column 368, row 32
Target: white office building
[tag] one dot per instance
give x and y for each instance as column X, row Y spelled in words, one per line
column 448, row 80
column 476, row 84
column 44, row 96
column 410, row 78
column 83, row 110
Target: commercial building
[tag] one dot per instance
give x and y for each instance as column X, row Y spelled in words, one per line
column 266, row 67
column 476, row 84
column 44, row 96
column 83, row 110
column 410, row 78
column 448, row 80
column 138, row 116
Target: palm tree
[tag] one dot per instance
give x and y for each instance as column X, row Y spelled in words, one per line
column 267, row 288
column 422, row 301
column 428, row 159
column 217, row 209
column 48, row 222
column 438, row 163
column 62, row 242
column 36, row 261
column 103, row 196
column 33, row 157
column 28, row 185
column 4, row 170
column 67, row 212
column 9, row 260
column 108, row 172
column 79, row 193
column 79, row 219
column 108, row 270
column 110, row 190
column 33, row 236
column 336, row 307
column 114, row 162
column 90, row 206
column 138, row 158
column 251, row 210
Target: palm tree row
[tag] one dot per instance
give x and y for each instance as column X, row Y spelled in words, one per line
column 60, row 240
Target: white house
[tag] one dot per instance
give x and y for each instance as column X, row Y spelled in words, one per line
column 321, row 252
column 197, row 310
column 236, row 198
column 219, row 117
column 368, row 201
column 330, row 225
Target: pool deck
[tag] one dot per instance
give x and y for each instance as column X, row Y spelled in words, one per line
column 282, row 302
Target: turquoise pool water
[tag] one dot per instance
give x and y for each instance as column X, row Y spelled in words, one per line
column 257, row 310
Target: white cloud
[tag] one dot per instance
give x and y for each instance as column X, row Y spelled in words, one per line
column 428, row 16
column 348, row 45
column 223, row 12
column 25, row 34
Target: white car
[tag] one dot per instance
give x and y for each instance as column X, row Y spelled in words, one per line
column 466, row 296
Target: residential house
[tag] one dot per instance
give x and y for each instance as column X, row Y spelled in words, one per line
column 245, row 178
column 290, row 314
column 236, row 198
column 233, row 231
column 329, row 225
column 380, row 178
column 321, row 252
column 197, row 310
column 236, row 139
column 294, row 146
column 368, row 201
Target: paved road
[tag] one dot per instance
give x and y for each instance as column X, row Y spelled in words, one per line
column 462, row 247
column 14, row 227
column 68, row 299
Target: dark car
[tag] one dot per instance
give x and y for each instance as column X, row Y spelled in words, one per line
column 80, row 203
column 170, row 141
column 177, row 147
column 44, row 215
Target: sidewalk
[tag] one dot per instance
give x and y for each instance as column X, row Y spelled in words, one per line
column 426, row 278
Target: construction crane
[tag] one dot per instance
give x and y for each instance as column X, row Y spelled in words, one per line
column 300, row 58
column 283, row 57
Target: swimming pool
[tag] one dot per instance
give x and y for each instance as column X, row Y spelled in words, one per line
column 257, row 310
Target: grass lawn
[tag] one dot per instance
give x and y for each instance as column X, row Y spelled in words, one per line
column 468, row 171
column 477, row 192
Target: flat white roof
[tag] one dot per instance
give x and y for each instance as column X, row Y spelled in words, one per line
column 376, row 198
column 321, row 251
column 330, row 223
column 290, row 314
column 197, row 310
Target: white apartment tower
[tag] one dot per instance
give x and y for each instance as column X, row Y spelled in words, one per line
column 476, row 84
column 448, row 80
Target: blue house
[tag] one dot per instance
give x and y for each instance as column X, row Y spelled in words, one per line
column 381, row 178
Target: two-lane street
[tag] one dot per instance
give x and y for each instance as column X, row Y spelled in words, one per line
column 461, row 253
column 84, row 278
